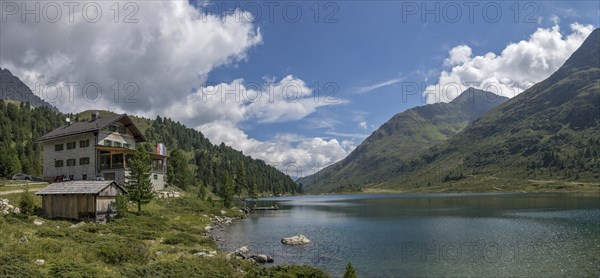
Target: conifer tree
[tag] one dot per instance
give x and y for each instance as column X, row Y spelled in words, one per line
column 350, row 272
column 138, row 185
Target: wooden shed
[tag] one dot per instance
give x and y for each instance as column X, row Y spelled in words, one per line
column 80, row 199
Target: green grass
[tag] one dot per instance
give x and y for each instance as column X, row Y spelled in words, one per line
column 159, row 242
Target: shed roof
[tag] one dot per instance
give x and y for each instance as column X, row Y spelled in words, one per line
column 77, row 187
column 93, row 125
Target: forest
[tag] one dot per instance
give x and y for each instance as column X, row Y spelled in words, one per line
column 194, row 162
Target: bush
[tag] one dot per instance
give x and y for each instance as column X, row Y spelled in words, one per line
column 122, row 205
column 72, row 270
column 27, row 203
column 202, row 191
column 287, row 271
column 138, row 226
column 350, row 272
column 117, row 252
column 51, row 246
column 53, row 233
column 13, row 265
column 16, row 219
column 183, row 267
column 186, row 239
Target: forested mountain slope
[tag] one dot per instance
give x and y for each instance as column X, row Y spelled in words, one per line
column 207, row 164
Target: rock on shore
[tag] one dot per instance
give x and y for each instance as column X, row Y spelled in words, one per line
column 244, row 254
column 6, row 208
column 295, row 240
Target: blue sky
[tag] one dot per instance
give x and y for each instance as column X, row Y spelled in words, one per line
column 366, row 51
column 372, row 43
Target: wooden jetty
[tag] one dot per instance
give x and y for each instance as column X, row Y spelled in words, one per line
column 266, row 208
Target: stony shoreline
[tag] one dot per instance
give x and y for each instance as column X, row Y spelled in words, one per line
column 218, row 223
column 243, row 251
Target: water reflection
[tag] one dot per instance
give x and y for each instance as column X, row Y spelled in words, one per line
column 431, row 234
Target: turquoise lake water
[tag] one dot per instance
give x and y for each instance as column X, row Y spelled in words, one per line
column 427, row 235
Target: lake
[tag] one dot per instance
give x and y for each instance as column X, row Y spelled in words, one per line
column 541, row 234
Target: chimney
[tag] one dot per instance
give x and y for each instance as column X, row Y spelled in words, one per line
column 95, row 115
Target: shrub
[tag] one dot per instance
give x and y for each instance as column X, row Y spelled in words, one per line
column 72, row 270
column 287, row 271
column 13, row 265
column 350, row 272
column 122, row 205
column 186, row 239
column 51, row 246
column 201, row 191
column 116, row 252
column 27, row 203
column 53, row 233
column 183, row 267
column 16, row 218
column 138, row 226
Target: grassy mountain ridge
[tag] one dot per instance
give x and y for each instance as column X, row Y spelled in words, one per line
column 546, row 138
column 550, row 132
column 404, row 135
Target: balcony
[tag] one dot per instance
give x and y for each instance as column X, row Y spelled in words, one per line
column 117, row 157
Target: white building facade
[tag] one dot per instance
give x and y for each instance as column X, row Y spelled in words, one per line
column 97, row 149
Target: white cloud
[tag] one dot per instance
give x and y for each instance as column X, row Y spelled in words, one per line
column 348, row 135
column 516, row 68
column 373, row 87
column 458, row 55
column 169, row 51
column 363, row 125
column 168, row 54
column 288, row 99
column 294, row 155
column 275, row 101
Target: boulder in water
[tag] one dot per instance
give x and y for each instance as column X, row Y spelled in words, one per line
column 295, row 240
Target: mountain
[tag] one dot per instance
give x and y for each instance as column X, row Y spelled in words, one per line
column 377, row 159
column 546, row 138
column 12, row 88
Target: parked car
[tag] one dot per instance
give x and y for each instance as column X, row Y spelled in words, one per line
column 36, row 179
column 22, row 177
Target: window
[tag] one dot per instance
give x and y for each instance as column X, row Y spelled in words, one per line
column 71, row 162
column 58, row 163
column 104, row 161
column 117, row 144
column 84, row 161
column 58, row 147
column 84, row 143
column 117, row 161
column 71, row 145
column 127, row 145
column 107, row 143
column 84, row 177
column 155, row 176
column 118, row 128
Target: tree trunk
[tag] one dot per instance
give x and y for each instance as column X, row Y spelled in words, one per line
column 139, row 206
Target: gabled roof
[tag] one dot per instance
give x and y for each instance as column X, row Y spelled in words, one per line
column 92, row 126
column 77, row 187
